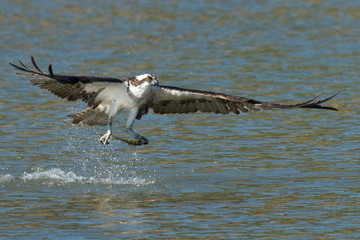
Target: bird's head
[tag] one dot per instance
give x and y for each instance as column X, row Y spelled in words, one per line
column 146, row 79
column 141, row 86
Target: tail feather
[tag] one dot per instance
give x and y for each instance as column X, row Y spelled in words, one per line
column 91, row 117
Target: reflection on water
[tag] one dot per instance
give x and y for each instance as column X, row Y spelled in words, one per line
column 271, row 174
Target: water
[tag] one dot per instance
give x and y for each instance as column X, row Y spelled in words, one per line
column 272, row 174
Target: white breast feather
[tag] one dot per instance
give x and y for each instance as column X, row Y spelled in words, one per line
column 113, row 98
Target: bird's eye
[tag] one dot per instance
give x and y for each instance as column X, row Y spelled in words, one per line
column 148, row 79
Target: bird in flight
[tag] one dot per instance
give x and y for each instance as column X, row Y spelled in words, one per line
column 106, row 97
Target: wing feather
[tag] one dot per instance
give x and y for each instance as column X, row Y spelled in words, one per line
column 170, row 100
column 163, row 100
column 85, row 88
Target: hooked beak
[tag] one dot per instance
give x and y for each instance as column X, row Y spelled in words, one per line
column 155, row 82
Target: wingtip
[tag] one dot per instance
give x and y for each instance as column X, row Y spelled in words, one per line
column 317, row 105
column 22, row 67
column 50, row 70
column 330, row 108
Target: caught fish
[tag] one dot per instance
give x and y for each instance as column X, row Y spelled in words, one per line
column 133, row 142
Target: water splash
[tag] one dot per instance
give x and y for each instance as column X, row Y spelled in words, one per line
column 6, row 178
column 57, row 176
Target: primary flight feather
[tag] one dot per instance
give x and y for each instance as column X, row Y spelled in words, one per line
column 106, row 97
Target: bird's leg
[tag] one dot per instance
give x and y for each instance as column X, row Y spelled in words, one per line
column 138, row 137
column 132, row 115
column 105, row 139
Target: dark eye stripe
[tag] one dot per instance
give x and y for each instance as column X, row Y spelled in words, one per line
column 137, row 82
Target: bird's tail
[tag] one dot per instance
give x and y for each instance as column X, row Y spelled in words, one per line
column 91, row 117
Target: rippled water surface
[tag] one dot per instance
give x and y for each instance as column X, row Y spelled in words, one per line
column 271, row 174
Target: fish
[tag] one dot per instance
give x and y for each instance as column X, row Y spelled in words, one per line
column 133, row 142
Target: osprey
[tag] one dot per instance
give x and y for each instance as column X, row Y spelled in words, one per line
column 106, row 97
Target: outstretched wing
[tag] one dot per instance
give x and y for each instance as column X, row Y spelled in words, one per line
column 90, row 89
column 171, row 100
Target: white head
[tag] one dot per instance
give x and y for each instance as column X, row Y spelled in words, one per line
column 147, row 79
column 141, row 85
